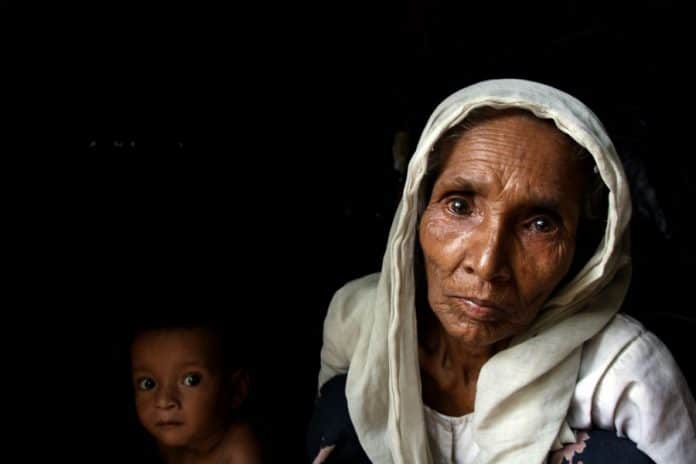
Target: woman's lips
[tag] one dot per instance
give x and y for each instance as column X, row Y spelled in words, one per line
column 482, row 310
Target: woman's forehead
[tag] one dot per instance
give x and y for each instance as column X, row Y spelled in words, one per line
column 516, row 142
column 515, row 151
column 491, row 164
column 504, row 126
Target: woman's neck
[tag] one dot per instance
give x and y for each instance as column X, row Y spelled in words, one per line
column 454, row 355
column 467, row 360
column 450, row 370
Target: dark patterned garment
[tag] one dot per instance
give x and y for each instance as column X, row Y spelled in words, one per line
column 332, row 439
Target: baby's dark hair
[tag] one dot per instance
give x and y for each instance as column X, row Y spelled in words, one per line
column 232, row 355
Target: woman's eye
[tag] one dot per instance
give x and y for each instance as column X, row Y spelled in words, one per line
column 191, row 380
column 543, row 225
column 146, row 383
column 459, row 206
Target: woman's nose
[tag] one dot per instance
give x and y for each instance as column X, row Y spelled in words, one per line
column 167, row 397
column 487, row 254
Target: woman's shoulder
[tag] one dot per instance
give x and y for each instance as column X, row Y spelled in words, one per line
column 630, row 383
column 352, row 299
column 348, row 314
column 359, row 288
column 623, row 355
column 620, row 327
column 623, row 345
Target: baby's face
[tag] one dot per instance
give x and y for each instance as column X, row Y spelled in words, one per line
column 178, row 386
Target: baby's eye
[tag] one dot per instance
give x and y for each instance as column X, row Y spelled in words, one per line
column 191, row 380
column 146, row 383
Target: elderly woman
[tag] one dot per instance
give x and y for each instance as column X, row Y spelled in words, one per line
column 492, row 333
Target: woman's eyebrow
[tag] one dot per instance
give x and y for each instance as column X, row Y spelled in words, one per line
column 545, row 204
column 538, row 202
column 464, row 184
column 480, row 184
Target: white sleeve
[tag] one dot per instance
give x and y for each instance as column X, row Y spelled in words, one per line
column 334, row 360
column 644, row 397
column 342, row 325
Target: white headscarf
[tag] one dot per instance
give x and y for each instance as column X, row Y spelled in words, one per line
column 523, row 392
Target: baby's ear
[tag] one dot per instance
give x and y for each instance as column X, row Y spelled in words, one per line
column 240, row 380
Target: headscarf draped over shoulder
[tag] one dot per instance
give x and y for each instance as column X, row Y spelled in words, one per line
column 524, row 391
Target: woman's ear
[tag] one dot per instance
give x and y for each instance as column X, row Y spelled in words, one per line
column 240, row 380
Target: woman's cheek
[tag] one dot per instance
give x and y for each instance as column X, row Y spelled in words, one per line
column 563, row 258
column 436, row 228
column 443, row 237
column 550, row 263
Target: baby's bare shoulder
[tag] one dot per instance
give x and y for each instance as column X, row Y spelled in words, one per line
column 242, row 445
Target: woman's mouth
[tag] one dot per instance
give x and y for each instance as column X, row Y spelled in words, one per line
column 481, row 310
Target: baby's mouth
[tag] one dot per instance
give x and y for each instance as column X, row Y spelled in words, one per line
column 169, row 423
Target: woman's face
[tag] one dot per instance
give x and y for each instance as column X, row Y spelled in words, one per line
column 498, row 233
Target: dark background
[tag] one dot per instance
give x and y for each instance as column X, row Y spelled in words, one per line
column 239, row 162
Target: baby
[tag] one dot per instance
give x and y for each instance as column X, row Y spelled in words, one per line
column 187, row 396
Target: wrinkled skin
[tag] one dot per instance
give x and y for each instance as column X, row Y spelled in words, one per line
column 497, row 235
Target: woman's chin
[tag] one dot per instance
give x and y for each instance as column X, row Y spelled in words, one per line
column 476, row 333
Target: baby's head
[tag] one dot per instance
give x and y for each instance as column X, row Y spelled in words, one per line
column 186, row 389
